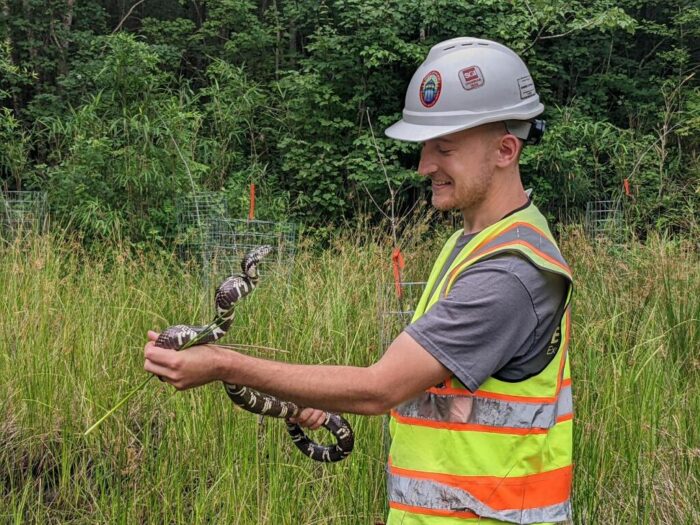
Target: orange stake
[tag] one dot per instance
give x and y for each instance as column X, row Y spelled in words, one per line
column 398, row 264
column 251, row 210
column 626, row 183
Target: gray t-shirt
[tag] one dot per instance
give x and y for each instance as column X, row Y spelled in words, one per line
column 498, row 316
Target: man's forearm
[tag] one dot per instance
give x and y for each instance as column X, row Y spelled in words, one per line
column 334, row 388
column 403, row 372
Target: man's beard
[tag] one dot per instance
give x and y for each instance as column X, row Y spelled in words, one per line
column 471, row 197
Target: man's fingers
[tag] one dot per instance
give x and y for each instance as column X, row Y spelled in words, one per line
column 160, row 356
column 310, row 418
column 314, row 420
column 320, row 417
column 153, row 336
column 181, row 369
column 162, row 372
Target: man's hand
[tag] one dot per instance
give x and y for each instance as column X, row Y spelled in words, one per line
column 310, row 418
column 193, row 367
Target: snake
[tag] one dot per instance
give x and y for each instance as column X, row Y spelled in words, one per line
column 230, row 291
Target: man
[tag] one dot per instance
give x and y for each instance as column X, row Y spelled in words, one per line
column 478, row 385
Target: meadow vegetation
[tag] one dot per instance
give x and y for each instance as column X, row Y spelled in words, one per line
column 73, row 327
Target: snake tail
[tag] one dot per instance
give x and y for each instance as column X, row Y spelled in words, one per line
column 267, row 405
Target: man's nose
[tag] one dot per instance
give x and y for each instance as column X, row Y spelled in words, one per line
column 426, row 166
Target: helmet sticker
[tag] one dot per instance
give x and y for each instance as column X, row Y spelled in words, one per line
column 471, row 77
column 527, row 87
column 430, row 88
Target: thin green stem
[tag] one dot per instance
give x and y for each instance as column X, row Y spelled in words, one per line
column 118, row 405
column 208, row 330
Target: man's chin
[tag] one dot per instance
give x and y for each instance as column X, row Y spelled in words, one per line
column 442, row 205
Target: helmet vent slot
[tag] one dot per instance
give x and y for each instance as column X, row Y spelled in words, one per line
column 448, row 48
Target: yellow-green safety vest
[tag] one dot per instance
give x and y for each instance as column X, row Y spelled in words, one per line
column 508, row 457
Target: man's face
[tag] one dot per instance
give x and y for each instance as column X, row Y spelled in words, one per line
column 461, row 166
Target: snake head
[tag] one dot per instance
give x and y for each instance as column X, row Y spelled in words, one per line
column 252, row 258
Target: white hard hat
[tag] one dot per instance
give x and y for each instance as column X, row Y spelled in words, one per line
column 466, row 82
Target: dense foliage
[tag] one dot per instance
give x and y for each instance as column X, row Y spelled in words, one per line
column 119, row 108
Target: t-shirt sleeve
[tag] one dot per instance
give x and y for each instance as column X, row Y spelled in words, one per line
column 486, row 319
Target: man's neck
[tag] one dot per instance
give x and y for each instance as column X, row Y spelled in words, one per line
column 499, row 203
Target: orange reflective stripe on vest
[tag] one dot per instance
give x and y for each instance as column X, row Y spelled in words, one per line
column 537, row 490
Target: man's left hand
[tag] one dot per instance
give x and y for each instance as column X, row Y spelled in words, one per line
column 190, row 368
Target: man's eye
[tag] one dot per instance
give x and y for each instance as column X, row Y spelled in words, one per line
column 444, row 151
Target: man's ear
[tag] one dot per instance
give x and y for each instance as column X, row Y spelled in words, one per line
column 509, row 147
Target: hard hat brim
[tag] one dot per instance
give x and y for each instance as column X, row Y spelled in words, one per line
column 403, row 130
column 410, row 132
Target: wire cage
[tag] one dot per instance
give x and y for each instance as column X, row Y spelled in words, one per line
column 216, row 242
column 228, row 240
column 395, row 313
column 22, row 212
column 195, row 213
column 603, row 219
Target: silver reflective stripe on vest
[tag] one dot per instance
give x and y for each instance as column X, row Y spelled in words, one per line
column 523, row 233
column 429, row 494
column 486, row 411
column 565, row 403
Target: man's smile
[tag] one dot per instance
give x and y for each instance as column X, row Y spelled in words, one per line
column 437, row 184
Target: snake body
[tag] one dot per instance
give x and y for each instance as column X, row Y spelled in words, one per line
column 232, row 290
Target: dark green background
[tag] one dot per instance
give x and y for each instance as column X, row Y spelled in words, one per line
column 116, row 112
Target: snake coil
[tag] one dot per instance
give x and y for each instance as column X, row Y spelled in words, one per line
column 232, row 290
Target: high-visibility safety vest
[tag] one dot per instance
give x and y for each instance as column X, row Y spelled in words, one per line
column 506, row 454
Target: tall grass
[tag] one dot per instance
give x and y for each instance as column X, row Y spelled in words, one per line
column 636, row 367
column 73, row 328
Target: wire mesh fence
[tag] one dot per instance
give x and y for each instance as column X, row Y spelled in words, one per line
column 208, row 235
column 22, row 213
column 195, row 213
column 604, row 219
column 228, row 240
column 395, row 313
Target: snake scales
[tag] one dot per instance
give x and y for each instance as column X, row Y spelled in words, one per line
column 232, row 290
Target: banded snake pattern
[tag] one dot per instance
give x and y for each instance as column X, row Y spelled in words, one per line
column 233, row 289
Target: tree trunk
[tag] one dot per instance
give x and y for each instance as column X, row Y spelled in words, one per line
column 64, row 40
column 292, row 37
column 68, row 16
column 200, row 13
column 5, row 9
column 278, row 37
column 33, row 53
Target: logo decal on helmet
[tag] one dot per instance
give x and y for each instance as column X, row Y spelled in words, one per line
column 430, row 88
column 527, row 87
column 471, row 77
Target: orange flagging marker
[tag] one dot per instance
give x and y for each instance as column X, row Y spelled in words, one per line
column 251, row 209
column 398, row 264
column 626, row 183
